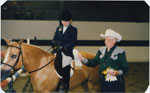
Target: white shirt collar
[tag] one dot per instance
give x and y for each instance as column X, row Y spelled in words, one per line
column 64, row 29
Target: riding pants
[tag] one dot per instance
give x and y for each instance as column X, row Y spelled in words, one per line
column 66, row 61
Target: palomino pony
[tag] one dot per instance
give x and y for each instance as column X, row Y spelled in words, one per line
column 40, row 65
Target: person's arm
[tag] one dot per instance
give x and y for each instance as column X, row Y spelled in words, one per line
column 93, row 62
column 125, row 66
column 55, row 36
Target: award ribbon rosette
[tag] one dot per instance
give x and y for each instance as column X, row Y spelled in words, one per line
column 109, row 77
column 78, row 63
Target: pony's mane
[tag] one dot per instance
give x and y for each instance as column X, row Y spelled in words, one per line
column 34, row 46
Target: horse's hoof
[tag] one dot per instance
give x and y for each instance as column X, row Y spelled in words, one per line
column 60, row 90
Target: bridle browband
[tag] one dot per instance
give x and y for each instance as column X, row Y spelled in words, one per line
column 20, row 54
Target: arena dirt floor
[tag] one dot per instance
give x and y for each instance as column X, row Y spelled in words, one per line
column 137, row 80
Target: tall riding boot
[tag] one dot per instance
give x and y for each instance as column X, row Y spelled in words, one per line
column 66, row 78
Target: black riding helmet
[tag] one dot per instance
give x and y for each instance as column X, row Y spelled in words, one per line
column 66, row 15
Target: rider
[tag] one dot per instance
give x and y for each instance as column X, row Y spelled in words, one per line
column 66, row 34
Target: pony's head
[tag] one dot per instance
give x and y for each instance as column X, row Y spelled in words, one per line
column 12, row 60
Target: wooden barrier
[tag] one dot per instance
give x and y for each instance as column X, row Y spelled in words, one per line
column 9, row 79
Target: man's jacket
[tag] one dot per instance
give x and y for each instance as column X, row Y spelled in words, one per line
column 115, row 59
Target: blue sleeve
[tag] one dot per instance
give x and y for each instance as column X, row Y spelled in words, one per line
column 73, row 39
column 55, row 38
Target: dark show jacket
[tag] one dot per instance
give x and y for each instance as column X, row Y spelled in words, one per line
column 68, row 40
column 115, row 59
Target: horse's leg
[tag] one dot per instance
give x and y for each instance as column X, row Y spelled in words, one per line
column 96, row 87
column 32, row 84
column 85, row 86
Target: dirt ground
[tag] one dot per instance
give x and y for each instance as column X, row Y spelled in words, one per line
column 137, row 80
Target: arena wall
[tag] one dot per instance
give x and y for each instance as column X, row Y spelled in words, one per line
column 44, row 30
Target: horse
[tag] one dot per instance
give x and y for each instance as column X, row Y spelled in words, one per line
column 40, row 66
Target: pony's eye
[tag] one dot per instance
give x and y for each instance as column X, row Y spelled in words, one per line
column 13, row 56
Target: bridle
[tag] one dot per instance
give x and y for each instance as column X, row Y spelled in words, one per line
column 21, row 54
column 17, row 60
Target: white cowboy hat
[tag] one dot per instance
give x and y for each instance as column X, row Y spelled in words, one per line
column 113, row 34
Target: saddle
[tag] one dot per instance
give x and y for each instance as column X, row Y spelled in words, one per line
column 58, row 65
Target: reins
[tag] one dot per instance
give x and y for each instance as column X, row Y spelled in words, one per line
column 41, row 67
column 20, row 54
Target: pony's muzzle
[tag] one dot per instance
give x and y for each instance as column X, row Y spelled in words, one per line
column 5, row 74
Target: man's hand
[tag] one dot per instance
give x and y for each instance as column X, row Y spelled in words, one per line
column 113, row 72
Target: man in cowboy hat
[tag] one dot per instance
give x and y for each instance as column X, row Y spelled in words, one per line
column 66, row 34
column 113, row 63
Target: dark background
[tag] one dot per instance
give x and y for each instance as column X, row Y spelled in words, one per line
column 116, row 11
column 107, row 11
